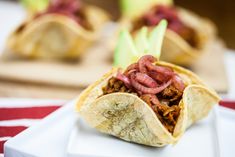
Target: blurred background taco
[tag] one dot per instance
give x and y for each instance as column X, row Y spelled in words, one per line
column 185, row 39
column 57, row 29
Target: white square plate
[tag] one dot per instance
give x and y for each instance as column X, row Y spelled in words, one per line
column 226, row 131
column 48, row 138
column 63, row 134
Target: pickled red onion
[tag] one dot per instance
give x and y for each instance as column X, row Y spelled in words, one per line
column 146, row 80
column 147, row 90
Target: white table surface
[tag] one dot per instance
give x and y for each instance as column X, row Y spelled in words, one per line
column 11, row 14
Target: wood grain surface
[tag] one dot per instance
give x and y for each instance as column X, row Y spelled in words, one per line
column 50, row 79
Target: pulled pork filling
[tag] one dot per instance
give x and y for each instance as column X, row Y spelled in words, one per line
column 158, row 86
column 159, row 12
column 70, row 8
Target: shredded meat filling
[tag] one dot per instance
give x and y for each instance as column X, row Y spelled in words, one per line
column 171, row 94
column 157, row 13
column 167, row 111
column 69, row 8
column 160, row 87
column 115, row 85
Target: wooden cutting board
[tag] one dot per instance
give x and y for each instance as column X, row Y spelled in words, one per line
column 47, row 79
column 32, row 90
column 92, row 65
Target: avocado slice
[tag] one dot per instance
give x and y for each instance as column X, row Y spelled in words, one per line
column 133, row 8
column 141, row 41
column 129, row 51
column 156, row 38
column 125, row 52
column 35, row 6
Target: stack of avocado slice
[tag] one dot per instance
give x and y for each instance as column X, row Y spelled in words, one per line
column 129, row 50
column 133, row 8
column 35, row 5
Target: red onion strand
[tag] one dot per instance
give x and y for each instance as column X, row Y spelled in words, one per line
column 143, row 61
column 146, row 80
column 159, row 69
column 124, row 79
column 178, row 83
column 147, row 90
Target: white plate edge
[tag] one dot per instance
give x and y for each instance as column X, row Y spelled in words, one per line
column 8, row 144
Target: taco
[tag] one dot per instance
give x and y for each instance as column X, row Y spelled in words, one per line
column 64, row 30
column 150, row 103
column 185, row 39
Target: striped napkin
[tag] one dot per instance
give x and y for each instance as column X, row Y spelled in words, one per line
column 17, row 115
column 228, row 103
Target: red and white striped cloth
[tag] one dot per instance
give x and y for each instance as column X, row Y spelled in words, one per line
column 17, row 115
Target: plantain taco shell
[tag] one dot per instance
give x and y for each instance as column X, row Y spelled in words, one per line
column 126, row 115
column 177, row 50
column 180, row 46
column 56, row 35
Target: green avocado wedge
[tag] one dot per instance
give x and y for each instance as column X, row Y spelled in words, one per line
column 133, row 8
column 35, row 5
column 129, row 50
column 125, row 52
column 141, row 41
column 156, row 38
